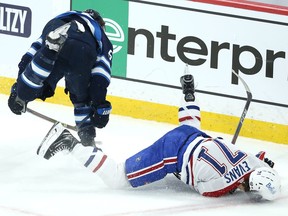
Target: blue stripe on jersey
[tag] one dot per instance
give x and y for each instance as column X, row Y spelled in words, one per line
column 80, row 113
column 35, row 46
column 29, row 83
column 101, row 71
column 190, row 157
column 93, row 25
column 40, row 71
column 91, row 158
column 190, row 107
column 102, row 60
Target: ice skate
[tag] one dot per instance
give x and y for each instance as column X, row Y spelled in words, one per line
column 187, row 83
column 57, row 139
column 56, row 39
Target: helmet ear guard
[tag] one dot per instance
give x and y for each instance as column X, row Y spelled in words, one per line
column 96, row 16
column 264, row 184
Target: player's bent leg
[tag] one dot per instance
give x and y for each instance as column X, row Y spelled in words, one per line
column 159, row 159
column 189, row 114
column 60, row 139
column 111, row 172
column 189, row 111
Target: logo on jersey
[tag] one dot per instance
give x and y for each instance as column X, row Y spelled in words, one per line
column 115, row 34
column 15, row 20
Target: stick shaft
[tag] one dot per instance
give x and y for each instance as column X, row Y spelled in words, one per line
column 245, row 110
column 47, row 118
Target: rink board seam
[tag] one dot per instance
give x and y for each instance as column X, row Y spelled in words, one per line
column 256, row 129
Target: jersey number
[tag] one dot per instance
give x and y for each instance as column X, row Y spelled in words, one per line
column 232, row 158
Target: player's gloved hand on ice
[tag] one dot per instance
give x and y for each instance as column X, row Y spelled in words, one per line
column 269, row 162
column 16, row 105
column 261, row 156
column 87, row 135
column 101, row 112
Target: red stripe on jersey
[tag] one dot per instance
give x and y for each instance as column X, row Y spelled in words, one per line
column 170, row 160
column 191, row 171
column 225, row 190
column 146, row 171
column 185, row 118
column 100, row 163
column 152, row 168
column 189, row 118
column 261, row 155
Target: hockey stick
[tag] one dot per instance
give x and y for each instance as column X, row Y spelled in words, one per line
column 47, row 118
column 42, row 116
column 245, row 110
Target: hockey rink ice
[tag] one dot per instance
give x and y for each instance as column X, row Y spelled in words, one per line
column 32, row 186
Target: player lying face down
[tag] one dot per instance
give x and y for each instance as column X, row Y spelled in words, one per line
column 211, row 166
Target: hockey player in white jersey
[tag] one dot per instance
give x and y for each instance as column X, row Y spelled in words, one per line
column 211, row 166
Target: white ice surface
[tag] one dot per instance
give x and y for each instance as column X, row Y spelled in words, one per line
column 32, row 186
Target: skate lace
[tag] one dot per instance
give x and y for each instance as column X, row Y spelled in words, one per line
column 59, row 149
column 61, row 146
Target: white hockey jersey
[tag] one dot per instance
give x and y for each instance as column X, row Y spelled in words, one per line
column 215, row 167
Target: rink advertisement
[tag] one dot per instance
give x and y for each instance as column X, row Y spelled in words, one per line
column 153, row 40
column 212, row 40
column 21, row 23
column 209, row 43
column 212, row 45
column 15, row 20
column 115, row 15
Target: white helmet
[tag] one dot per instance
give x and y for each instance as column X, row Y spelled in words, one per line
column 265, row 183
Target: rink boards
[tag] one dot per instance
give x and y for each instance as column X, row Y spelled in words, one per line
column 150, row 55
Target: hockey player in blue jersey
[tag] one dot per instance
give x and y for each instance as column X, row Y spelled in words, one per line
column 72, row 45
column 211, row 166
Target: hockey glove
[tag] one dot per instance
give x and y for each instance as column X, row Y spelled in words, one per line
column 46, row 92
column 16, row 105
column 261, row 156
column 101, row 114
column 269, row 162
column 25, row 60
column 87, row 135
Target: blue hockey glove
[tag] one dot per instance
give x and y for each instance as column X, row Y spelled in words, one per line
column 16, row 105
column 25, row 60
column 47, row 91
column 101, row 114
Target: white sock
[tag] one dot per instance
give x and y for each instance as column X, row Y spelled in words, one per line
column 112, row 173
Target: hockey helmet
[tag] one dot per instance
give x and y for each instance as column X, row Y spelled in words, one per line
column 264, row 184
column 96, row 16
